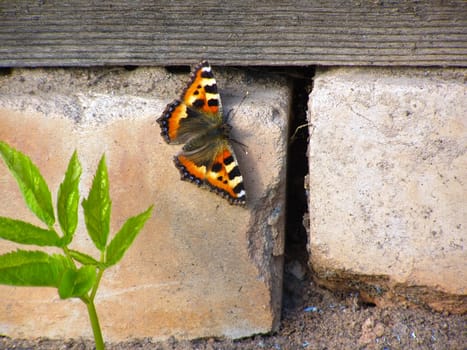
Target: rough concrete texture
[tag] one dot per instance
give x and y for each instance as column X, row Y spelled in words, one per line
column 200, row 267
column 387, row 184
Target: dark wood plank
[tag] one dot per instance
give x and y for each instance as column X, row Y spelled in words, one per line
column 144, row 32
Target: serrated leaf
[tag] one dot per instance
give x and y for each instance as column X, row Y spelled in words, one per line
column 76, row 283
column 25, row 233
column 123, row 239
column 31, row 183
column 68, row 199
column 84, row 259
column 32, row 268
column 97, row 207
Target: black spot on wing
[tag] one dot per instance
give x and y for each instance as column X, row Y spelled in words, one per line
column 234, row 173
column 213, row 102
column 216, row 167
column 207, row 74
column 228, row 160
column 212, row 89
column 198, row 103
column 239, row 188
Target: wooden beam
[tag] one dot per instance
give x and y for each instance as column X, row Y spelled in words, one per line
column 300, row 32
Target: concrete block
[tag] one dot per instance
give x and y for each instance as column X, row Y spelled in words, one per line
column 387, row 184
column 201, row 267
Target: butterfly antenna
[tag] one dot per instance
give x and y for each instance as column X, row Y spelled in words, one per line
column 237, row 108
column 244, row 147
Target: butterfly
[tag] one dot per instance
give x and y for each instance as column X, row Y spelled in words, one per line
column 197, row 121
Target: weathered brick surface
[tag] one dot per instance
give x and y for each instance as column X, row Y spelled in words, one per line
column 387, row 183
column 200, row 267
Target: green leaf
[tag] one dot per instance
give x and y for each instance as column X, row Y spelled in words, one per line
column 65, row 289
column 76, row 283
column 25, row 233
column 32, row 268
column 123, row 239
column 84, row 280
column 84, row 259
column 97, row 207
column 31, row 183
column 68, row 199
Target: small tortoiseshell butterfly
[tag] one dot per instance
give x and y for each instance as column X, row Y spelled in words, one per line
column 197, row 121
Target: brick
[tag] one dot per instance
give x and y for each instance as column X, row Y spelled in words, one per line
column 200, row 267
column 388, row 197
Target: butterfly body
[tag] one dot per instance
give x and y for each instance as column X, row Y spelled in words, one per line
column 197, row 121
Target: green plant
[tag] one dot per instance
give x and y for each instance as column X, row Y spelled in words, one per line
column 73, row 273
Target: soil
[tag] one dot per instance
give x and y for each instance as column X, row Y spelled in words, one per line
column 313, row 318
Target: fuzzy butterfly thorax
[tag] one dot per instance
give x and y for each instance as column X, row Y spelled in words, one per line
column 197, row 121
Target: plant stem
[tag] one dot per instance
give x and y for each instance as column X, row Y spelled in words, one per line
column 68, row 256
column 96, row 328
column 96, row 284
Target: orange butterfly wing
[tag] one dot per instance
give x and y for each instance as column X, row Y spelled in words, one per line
column 207, row 158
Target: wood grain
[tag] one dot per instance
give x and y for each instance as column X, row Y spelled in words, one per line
column 143, row 32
